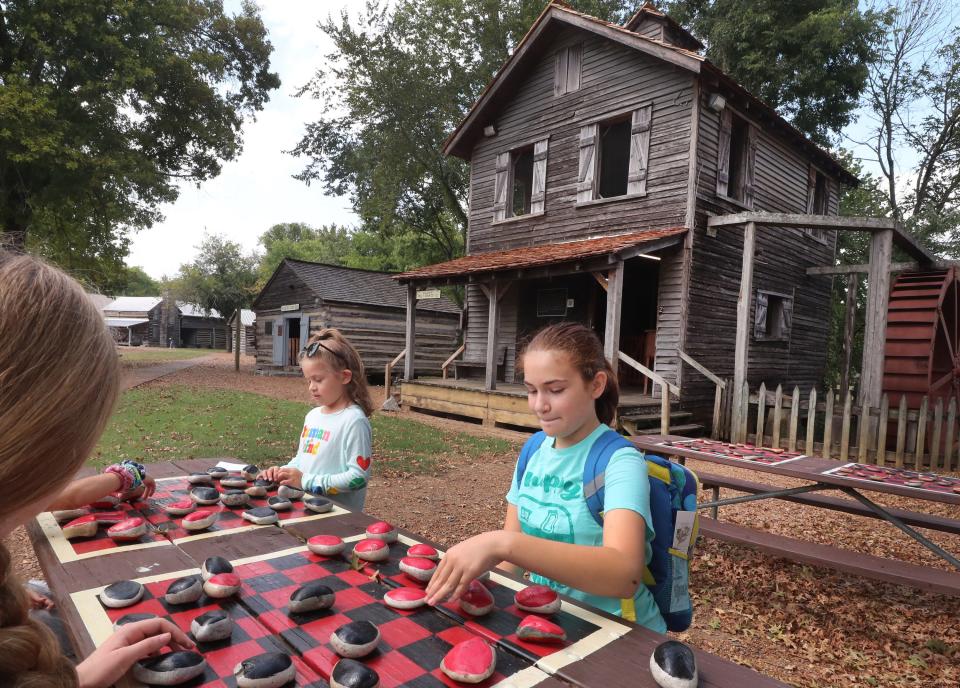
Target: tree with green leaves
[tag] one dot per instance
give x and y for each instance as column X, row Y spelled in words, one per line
column 139, row 283
column 106, row 106
column 807, row 58
column 221, row 278
column 398, row 82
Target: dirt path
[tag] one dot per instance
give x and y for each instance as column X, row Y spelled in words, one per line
column 803, row 625
column 134, row 376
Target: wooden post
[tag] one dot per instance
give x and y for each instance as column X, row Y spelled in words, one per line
column 863, row 441
column 761, row 414
column 901, row 431
column 664, row 410
column 948, row 442
column 882, row 431
column 849, row 320
column 937, row 432
column 921, row 435
column 794, row 419
column 845, row 426
column 878, row 298
column 811, row 422
column 744, row 412
column 717, row 399
column 742, row 342
column 409, row 365
column 611, row 336
column 493, row 330
column 828, row 425
column 777, row 417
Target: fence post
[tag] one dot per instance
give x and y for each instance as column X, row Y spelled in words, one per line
column 811, row 421
column 921, row 435
column 744, row 410
column 863, row 435
column 761, row 413
column 901, row 431
column 937, row 431
column 828, row 425
column 794, row 419
column 845, row 428
column 777, row 417
column 948, row 444
column 881, row 459
column 717, row 398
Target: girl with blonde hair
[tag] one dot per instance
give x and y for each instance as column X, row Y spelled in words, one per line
column 59, row 380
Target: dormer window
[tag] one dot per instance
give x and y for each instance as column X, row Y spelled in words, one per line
column 566, row 70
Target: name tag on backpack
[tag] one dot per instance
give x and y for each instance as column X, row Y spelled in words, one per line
column 683, row 531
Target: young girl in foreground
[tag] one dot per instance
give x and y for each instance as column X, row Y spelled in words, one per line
column 549, row 530
column 58, row 385
column 336, row 443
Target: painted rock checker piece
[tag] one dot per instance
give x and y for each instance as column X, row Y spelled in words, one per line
column 170, row 669
column 349, row 673
column 673, row 665
column 355, row 639
column 269, row 670
column 470, row 661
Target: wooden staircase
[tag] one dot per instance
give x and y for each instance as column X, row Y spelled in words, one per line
column 647, row 422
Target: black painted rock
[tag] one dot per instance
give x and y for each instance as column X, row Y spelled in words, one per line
column 233, row 481
column 349, row 673
column 200, row 479
column 170, row 669
column 261, row 515
column 311, row 597
column 212, row 626
column 205, row 495
column 269, row 670
column 470, row 661
column 184, row 590
column 263, row 482
column 235, row 498
column 673, row 665
column 279, row 503
column 121, row 594
column 319, row 505
column 218, row 472
column 132, row 618
column 250, row 471
column 290, row 492
column 355, row 639
column 211, row 566
column 258, row 491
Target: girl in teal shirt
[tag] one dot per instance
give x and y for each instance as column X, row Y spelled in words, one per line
column 548, row 529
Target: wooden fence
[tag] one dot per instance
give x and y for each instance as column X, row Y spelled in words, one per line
column 824, row 424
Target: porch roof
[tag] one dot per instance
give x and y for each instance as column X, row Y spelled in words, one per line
column 543, row 255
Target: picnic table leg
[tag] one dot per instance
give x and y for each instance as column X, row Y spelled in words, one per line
column 890, row 518
column 715, row 511
column 765, row 495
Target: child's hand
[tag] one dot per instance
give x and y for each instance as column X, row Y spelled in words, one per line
column 132, row 642
column 464, row 562
column 288, row 475
column 140, row 493
column 272, row 474
column 38, row 601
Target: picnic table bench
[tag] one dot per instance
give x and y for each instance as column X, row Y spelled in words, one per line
column 612, row 651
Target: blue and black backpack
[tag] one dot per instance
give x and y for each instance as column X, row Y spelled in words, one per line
column 673, row 490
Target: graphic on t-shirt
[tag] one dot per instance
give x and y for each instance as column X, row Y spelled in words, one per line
column 363, row 462
column 548, row 521
column 312, row 438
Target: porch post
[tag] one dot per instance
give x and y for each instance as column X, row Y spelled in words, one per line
column 409, row 367
column 849, row 319
column 875, row 332
column 742, row 343
column 611, row 333
column 493, row 331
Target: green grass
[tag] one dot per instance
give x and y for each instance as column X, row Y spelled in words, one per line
column 179, row 422
column 157, row 355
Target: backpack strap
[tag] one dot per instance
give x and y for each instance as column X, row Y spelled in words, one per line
column 596, row 464
column 530, row 448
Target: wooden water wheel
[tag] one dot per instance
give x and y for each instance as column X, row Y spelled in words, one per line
column 922, row 352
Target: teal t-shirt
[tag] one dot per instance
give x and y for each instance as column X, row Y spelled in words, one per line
column 550, row 505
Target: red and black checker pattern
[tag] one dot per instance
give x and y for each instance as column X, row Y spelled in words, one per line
column 176, row 489
column 901, row 477
column 101, row 542
column 412, row 644
column 249, row 637
column 747, row 453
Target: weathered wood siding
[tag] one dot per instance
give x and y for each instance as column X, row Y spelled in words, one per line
column 781, row 260
column 615, row 80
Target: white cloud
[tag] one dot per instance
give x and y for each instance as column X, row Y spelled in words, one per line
column 257, row 190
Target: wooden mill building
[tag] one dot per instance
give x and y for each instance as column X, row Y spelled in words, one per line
column 369, row 307
column 600, row 157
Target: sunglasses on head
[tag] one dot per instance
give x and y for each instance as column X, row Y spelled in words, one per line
column 310, row 350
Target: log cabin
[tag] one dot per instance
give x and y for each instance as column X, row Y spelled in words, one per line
column 618, row 178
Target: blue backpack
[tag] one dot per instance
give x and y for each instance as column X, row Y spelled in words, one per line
column 673, row 491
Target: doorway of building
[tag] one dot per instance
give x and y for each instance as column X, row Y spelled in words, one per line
column 293, row 341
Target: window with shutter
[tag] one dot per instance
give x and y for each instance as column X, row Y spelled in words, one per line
column 538, row 191
column 773, row 317
column 521, row 181
column 588, row 162
column 500, row 186
column 818, row 201
column 524, row 181
column 613, row 164
column 723, row 153
column 566, row 70
column 736, row 158
column 639, row 150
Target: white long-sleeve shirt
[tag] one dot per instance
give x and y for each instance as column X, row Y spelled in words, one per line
column 334, row 455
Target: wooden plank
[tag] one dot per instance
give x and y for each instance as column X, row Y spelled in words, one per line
column 863, row 440
column 881, row 458
column 901, row 432
column 611, row 334
column 431, row 404
column 878, row 297
column 830, row 270
column 493, row 327
column 657, row 379
column 828, row 425
column 921, row 435
column 845, row 426
column 761, row 413
column 742, row 340
column 526, row 420
column 717, row 421
column 811, row 421
column 777, row 417
column 803, row 221
column 794, row 419
column 706, row 373
column 849, row 321
column 948, row 442
column 937, row 432
column 744, row 412
column 409, row 365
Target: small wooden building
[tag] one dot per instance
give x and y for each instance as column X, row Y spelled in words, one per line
column 200, row 329
column 600, row 156
column 368, row 307
column 129, row 319
column 248, row 337
column 162, row 321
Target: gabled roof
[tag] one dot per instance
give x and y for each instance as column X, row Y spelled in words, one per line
column 538, row 256
column 135, row 304
column 353, row 285
column 192, row 310
column 99, row 300
column 649, row 11
column 247, row 317
column 536, row 43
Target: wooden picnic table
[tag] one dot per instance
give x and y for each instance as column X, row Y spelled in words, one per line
column 821, row 476
column 617, row 655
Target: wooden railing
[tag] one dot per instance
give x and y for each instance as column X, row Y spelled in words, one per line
column 922, row 439
column 666, row 389
column 446, row 364
column 720, row 386
column 388, row 370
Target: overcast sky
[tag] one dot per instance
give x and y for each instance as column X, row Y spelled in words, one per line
column 257, row 190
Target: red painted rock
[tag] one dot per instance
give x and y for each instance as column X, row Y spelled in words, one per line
column 381, row 530
column 325, row 545
column 109, row 518
column 372, row 550
column 107, row 502
column 471, row 661
column 957, row 489
column 538, row 599
column 418, row 568
column 181, row 507
column 222, row 585
column 405, row 598
column 85, row 526
column 477, row 600
column 199, row 520
column 69, row 514
column 425, row 551
column 128, row 530
column 539, row 630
